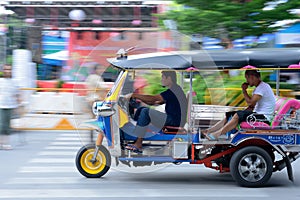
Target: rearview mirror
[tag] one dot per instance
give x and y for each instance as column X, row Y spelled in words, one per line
column 105, row 111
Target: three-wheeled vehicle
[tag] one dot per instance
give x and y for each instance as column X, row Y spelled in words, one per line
column 251, row 154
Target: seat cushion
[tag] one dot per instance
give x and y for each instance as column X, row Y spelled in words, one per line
column 256, row 125
column 283, row 106
column 285, row 109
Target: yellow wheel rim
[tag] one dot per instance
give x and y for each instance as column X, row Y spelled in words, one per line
column 88, row 166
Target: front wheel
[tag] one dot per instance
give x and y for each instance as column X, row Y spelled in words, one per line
column 251, row 166
column 89, row 168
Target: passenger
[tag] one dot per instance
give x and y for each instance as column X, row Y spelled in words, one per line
column 175, row 109
column 261, row 104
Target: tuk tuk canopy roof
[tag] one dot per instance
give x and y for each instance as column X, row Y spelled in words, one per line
column 212, row 59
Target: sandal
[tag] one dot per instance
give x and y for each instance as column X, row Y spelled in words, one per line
column 133, row 148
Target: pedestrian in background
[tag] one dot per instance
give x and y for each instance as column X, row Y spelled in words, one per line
column 94, row 83
column 9, row 100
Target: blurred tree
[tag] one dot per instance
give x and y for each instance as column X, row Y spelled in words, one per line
column 230, row 19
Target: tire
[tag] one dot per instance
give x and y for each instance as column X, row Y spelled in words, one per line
column 251, row 167
column 89, row 169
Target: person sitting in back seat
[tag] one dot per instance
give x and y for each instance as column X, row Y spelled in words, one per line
column 261, row 105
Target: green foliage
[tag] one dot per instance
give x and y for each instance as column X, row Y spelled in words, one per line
column 205, row 80
column 9, row 59
column 222, row 80
column 199, row 86
column 154, row 83
column 229, row 18
column 283, row 85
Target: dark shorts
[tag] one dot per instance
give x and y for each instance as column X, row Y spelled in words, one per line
column 243, row 114
column 5, row 116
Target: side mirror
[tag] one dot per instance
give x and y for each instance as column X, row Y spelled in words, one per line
column 105, row 111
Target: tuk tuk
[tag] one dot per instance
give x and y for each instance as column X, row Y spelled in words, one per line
column 251, row 154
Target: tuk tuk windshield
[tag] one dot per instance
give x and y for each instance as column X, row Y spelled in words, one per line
column 126, row 86
column 112, row 90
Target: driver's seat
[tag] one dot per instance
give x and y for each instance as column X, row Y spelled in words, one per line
column 176, row 129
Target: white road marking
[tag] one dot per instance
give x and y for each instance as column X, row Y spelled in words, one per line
column 45, row 180
column 134, row 192
column 52, row 160
column 67, row 139
column 47, row 169
column 62, row 148
column 57, row 153
column 65, row 143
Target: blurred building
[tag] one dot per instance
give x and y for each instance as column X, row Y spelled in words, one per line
column 98, row 14
column 96, row 29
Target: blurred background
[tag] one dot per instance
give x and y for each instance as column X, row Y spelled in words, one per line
column 58, row 43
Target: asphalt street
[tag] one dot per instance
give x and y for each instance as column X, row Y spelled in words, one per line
column 42, row 166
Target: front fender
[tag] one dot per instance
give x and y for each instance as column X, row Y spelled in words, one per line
column 94, row 124
column 102, row 125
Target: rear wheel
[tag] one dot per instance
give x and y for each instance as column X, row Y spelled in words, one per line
column 251, row 166
column 89, row 168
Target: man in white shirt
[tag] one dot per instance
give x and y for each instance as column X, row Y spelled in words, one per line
column 8, row 101
column 261, row 104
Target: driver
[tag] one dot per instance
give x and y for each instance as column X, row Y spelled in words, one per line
column 175, row 109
